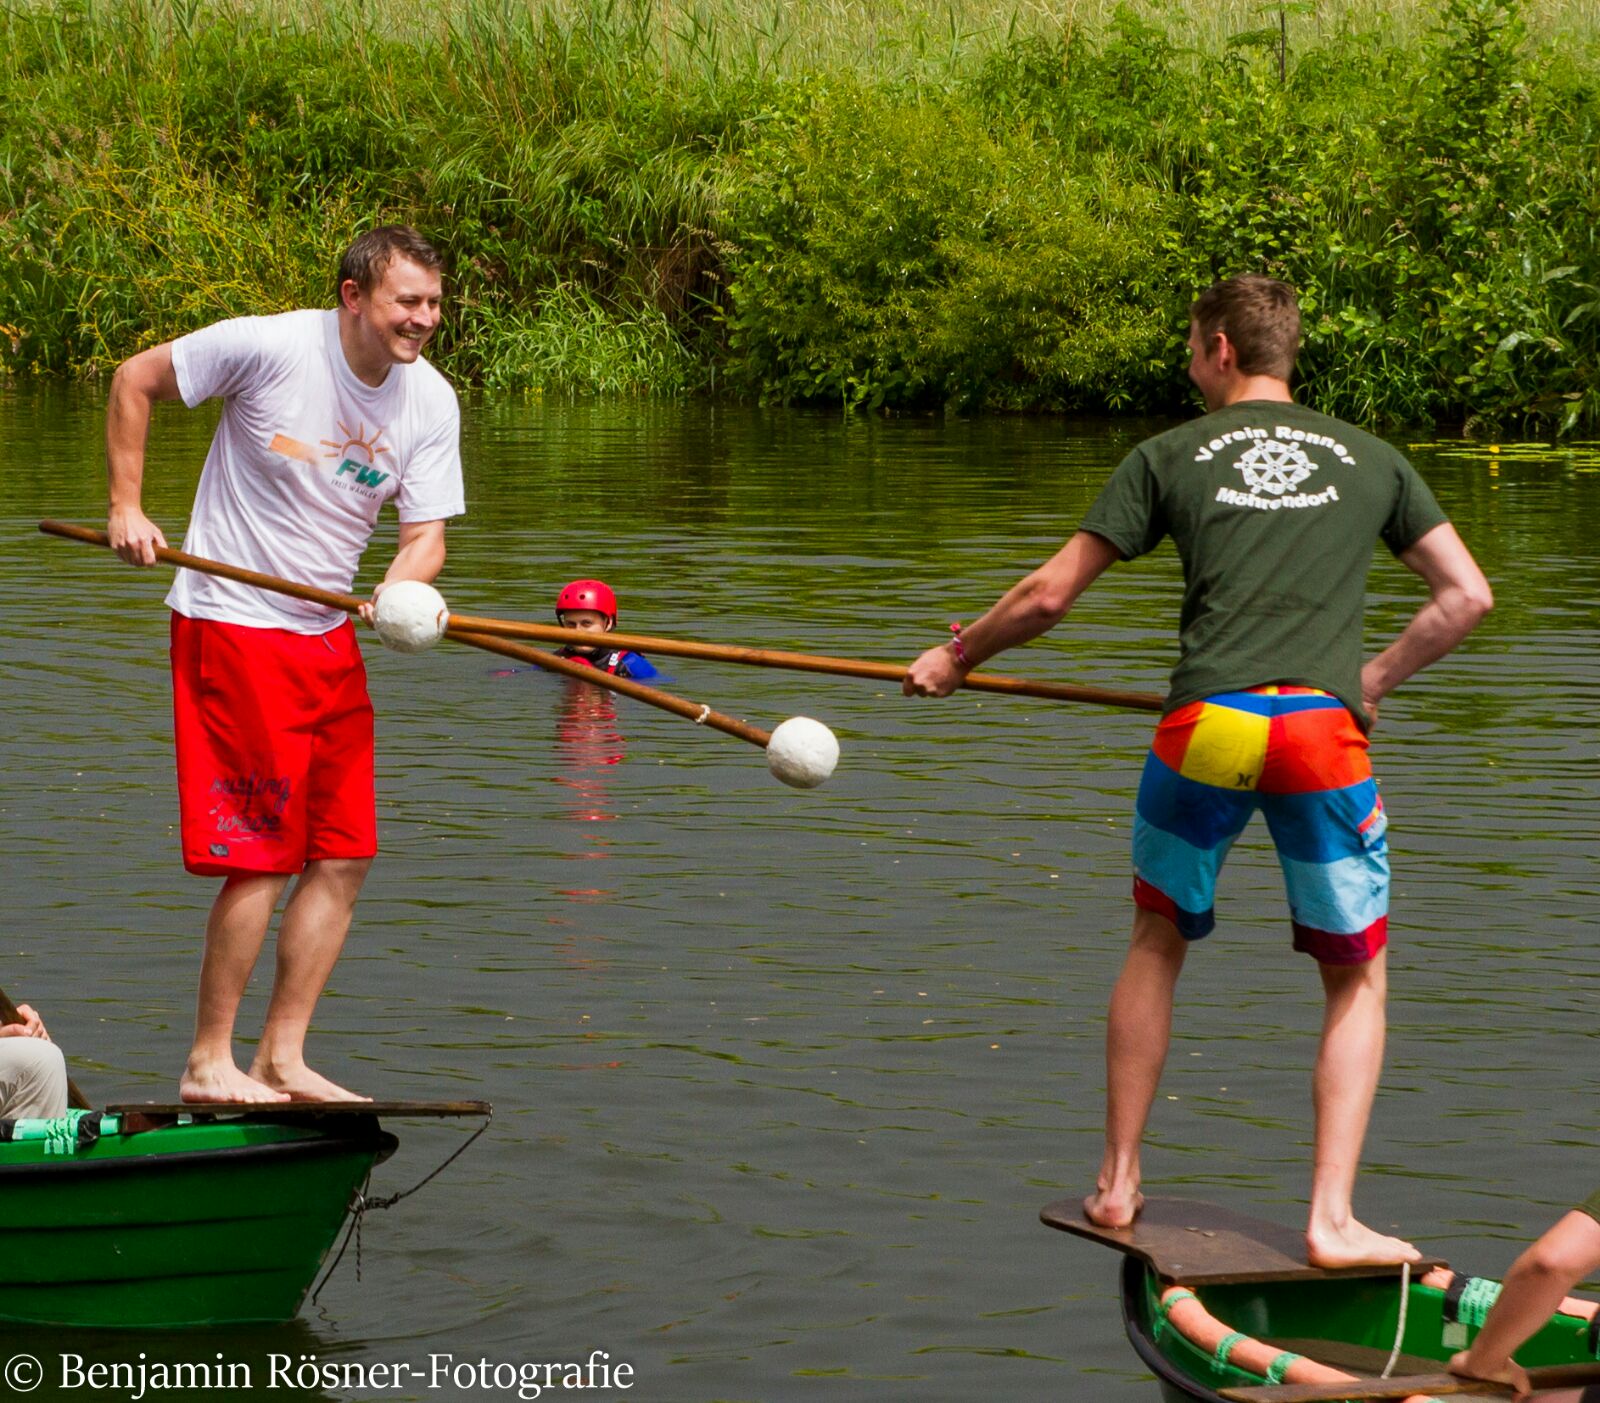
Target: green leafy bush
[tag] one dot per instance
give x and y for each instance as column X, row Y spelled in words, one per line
column 643, row 196
column 885, row 251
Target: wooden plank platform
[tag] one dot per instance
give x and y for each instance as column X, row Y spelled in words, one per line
column 276, row 1110
column 1204, row 1244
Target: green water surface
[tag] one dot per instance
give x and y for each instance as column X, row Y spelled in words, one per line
column 782, row 1078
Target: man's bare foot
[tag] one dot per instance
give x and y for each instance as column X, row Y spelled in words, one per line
column 1113, row 1210
column 1355, row 1245
column 212, row 1082
column 1512, row 1374
column 301, row 1083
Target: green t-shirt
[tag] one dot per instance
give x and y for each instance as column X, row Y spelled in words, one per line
column 1591, row 1206
column 1275, row 510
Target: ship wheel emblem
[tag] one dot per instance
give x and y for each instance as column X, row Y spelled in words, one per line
column 1274, row 468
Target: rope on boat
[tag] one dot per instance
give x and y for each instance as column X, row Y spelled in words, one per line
column 1219, row 1356
column 1400, row 1326
column 65, row 1134
column 1468, row 1298
column 1476, row 1297
column 1281, row 1366
column 1164, row 1305
column 360, row 1204
column 357, row 1207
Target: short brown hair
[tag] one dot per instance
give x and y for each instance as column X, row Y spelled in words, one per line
column 365, row 261
column 1260, row 316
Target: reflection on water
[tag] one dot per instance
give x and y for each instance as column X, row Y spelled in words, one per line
column 589, row 746
column 784, row 1076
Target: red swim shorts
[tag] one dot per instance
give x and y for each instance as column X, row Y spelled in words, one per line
column 274, row 735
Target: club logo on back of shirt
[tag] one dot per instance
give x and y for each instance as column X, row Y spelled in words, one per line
column 1273, row 465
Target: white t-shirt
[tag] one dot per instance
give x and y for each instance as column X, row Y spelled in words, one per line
column 303, row 458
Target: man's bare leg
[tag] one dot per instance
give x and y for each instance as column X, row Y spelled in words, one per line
column 1342, row 1090
column 234, row 932
column 1138, row 1031
column 310, row 936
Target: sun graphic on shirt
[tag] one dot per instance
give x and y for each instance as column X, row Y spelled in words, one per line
column 370, row 445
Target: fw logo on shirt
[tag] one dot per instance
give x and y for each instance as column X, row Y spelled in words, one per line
column 365, row 476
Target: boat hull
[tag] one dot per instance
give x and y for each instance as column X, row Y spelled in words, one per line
column 1179, row 1381
column 1350, row 1323
column 185, row 1225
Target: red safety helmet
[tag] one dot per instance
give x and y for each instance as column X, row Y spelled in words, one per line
column 588, row 594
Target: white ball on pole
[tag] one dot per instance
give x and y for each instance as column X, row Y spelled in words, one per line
column 410, row 616
column 802, row 752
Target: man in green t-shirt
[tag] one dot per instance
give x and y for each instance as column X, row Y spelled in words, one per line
column 1275, row 511
column 1567, row 1254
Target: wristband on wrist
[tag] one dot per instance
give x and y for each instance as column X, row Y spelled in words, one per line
column 958, row 647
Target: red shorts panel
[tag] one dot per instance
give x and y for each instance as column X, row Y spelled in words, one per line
column 1310, row 753
column 275, row 752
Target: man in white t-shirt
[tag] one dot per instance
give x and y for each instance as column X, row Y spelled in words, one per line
column 326, row 415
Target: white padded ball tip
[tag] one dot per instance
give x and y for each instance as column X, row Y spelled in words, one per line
column 802, row 752
column 411, row 616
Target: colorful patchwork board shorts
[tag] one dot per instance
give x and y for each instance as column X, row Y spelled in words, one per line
column 1296, row 754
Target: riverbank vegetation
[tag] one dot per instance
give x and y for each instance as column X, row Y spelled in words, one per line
column 869, row 203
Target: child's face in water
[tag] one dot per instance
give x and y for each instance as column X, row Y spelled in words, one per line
column 589, row 620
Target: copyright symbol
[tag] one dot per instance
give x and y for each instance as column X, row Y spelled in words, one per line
column 24, row 1373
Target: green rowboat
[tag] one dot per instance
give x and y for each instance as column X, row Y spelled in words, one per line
column 1220, row 1306
column 166, row 1216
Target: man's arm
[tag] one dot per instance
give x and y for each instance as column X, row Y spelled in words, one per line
column 1034, row 605
column 32, row 1026
column 419, row 557
column 1460, row 597
column 140, row 381
column 1567, row 1254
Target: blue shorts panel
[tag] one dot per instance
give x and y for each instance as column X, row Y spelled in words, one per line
column 1326, row 826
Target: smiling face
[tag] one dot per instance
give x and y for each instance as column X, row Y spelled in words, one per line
column 391, row 323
